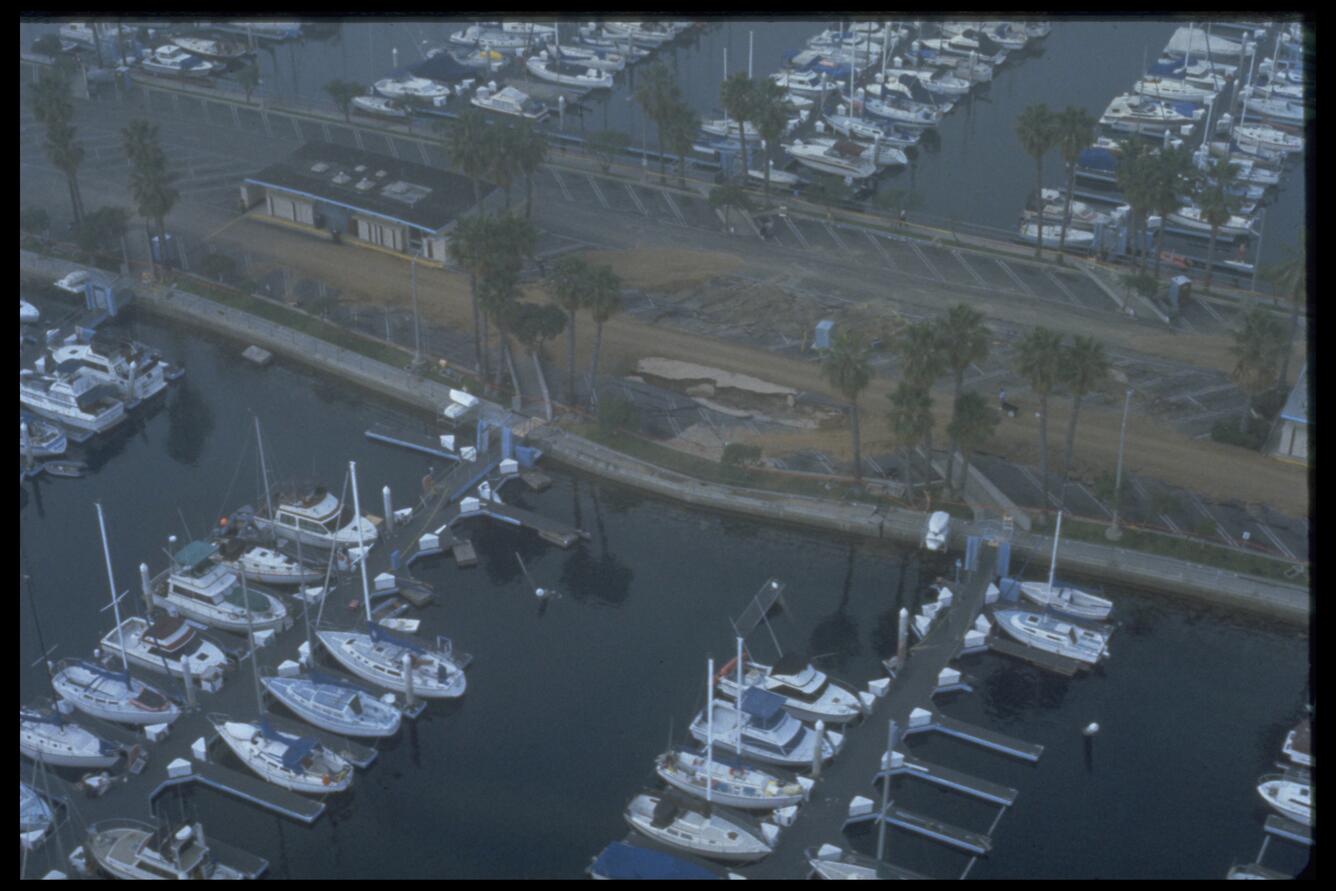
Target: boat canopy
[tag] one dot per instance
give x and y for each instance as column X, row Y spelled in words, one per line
column 622, row 861
column 761, row 704
column 442, row 67
column 195, row 553
column 298, row 746
column 379, row 632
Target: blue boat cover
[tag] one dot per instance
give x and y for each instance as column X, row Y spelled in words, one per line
column 442, row 67
column 1172, row 69
column 298, row 746
column 1097, row 158
column 761, row 704
column 622, row 861
column 380, row 632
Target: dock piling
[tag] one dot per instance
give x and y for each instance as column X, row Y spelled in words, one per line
column 816, row 752
column 407, row 666
column 145, row 583
column 389, row 510
column 902, row 639
column 189, row 682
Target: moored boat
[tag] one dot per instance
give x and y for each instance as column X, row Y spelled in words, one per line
column 51, row 739
column 172, row 60
column 335, row 705
column 199, row 588
column 809, row 694
column 731, row 782
column 378, row 656
column 1298, row 745
column 764, row 731
column 683, row 823
column 73, row 395
column 111, row 695
column 1052, row 236
column 568, row 75
column 509, row 101
column 1053, row 635
column 129, row 849
column 1289, row 796
column 165, row 646
column 299, row 763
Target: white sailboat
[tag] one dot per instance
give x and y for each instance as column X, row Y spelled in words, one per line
column 298, row 763
column 674, row 820
column 1053, row 635
column 548, row 69
column 35, row 816
column 1289, row 796
column 1064, row 598
column 334, row 705
column 51, row 739
column 1052, row 236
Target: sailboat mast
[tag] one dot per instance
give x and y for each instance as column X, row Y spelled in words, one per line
column 250, row 638
column 709, row 730
column 361, row 545
column 268, row 497
column 111, row 582
column 739, row 702
column 1053, row 563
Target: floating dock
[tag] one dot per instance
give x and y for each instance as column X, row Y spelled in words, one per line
column 249, row 789
column 980, row 736
column 417, row 442
column 1043, row 659
column 1289, row 830
column 992, row 793
column 953, row 836
column 550, row 531
column 249, row 865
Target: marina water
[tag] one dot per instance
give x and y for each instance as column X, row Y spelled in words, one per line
column 568, row 703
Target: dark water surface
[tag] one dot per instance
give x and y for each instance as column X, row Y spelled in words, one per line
column 566, row 707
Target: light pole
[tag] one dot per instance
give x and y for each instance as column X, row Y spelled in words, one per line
column 1113, row 533
column 417, row 331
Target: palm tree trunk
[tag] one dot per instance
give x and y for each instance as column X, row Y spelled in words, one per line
column 477, row 322
column 1210, row 259
column 570, row 360
column 766, row 161
column 742, row 138
column 1067, row 211
column 1071, row 440
column 1038, row 190
column 955, row 408
column 1159, row 246
column 74, row 199
column 909, row 476
column 1043, row 447
column 858, row 449
column 593, row 360
column 528, row 196
column 964, row 471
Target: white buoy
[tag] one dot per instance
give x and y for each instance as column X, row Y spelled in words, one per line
column 1091, row 729
column 144, row 582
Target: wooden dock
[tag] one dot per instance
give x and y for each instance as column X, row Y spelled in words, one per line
column 981, row 736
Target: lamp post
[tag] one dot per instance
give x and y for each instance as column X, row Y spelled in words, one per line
column 417, row 331
column 1113, row 533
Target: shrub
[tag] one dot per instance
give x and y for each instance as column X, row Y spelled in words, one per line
column 34, row 220
column 616, row 412
column 1226, row 430
column 737, row 454
column 219, row 267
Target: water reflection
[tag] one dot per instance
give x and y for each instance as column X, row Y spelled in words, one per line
column 189, row 422
column 836, row 636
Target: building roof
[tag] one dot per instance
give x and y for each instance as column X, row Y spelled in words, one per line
column 367, row 183
column 1296, row 407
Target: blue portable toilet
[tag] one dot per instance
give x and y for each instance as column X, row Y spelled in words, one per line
column 164, row 250
column 821, row 337
column 101, row 293
column 1180, row 288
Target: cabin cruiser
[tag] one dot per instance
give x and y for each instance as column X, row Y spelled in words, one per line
column 1268, row 138
column 1298, row 745
column 1054, row 208
column 334, row 705
column 137, row 373
column 969, row 44
column 1291, row 796
column 765, row 731
column 568, row 75
column 808, row 694
column 687, row 825
column 165, row 646
column 1052, row 236
column 35, row 816
column 42, row 440
column 804, row 83
column 1131, row 113
column 1190, row 218
column 731, row 781
column 475, row 36
column 203, row 590
column 406, row 89
column 51, row 739
column 315, row 517
column 379, row 106
column 827, row 159
column 269, row 566
column 646, row 34
column 878, row 154
column 208, row 48
column 171, row 59
column 509, row 101
column 378, row 656
column 299, row 763
column 723, row 127
column 1173, row 90
column 73, row 395
column 1053, row 635
column 129, row 849
column 591, row 57
column 868, row 131
column 116, row 696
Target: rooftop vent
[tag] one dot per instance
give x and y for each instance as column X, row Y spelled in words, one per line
column 342, row 178
column 359, row 168
column 380, row 174
column 407, row 193
column 364, row 185
column 319, row 167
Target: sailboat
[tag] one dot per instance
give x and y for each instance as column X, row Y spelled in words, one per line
column 35, row 817
column 50, row 739
column 299, row 763
column 334, row 705
column 1063, row 598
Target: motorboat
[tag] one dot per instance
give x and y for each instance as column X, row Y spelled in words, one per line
column 1053, row 207
column 1192, row 41
column 938, row 530
column 1078, row 239
column 1269, row 138
column 809, row 695
column 40, row 439
column 878, row 154
column 765, row 732
column 594, row 37
column 1173, row 90
column 509, row 101
column 590, row 57
column 166, row 646
column 28, row 312
column 725, row 128
column 482, row 59
column 568, row 75
column 200, row 589
column 1132, row 113
column 378, row 656
column 1289, row 796
column 35, row 816
column 680, row 822
column 129, row 849
column 335, row 705
column 939, row 82
column 299, row 763
column 411, row 89
column 622, row 861
column 209, row 48
column 899, row 111
column 967, row 44
column 804, row 83
column 116, row 696
column 731, row 782
column 793, row 102
column 827, row 160
column 475, row 36
column 777, row 176
column 73, row 395
column 270, row 566
column 171, row 59
column 137, row 373
column 647, row 34
column 833, row 862
column 530, row 30
column 1190, row 218
column 870, row 131
column 1048, row 633
column 315, row 517
column 51, row 739
column 1298, row 745
column 379, row 106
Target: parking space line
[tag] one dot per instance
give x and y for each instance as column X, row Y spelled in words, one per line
column 1141, row 490
column 955, row 252
column 1048, row 273
column 796, row 234
column 1229, row 539
column 875, row 466
column 677, row 212
column 1011, row 273
column 881, row 251
column 1275, row 540
column 829, row 467
column 598, row 193
column 1205, row 304
column 561, row 182
column 635, row 198
column 1092, row 497
column 296, row 128
column 422, row 150
column 1034, row 481
column 926, row 262
column 839, row 242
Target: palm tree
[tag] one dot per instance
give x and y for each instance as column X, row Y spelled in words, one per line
column 1083, row 367
column 738, row 96
column 466, row 250
column 920, row 348
column 343, row 92
column 1136, row 176
column 498, row 291
column 729, row 196
column 1038, row 361
column 1258, row 346
column 680, row 126
column 604, row 299
column 140, row 140
column 466, row 146
column 971, row 426
column 249, row 78
column 770, row 120
column 964, row 340
column 656, row 95
column 1075, row 129
column 502, row 158
column 569, row 281
column 66, row 155
column 1217, row 205
column 845, row 366
column 51, row 98
column 1170, row 176
column 1035, row 129
column 530, row 152
column 151, row 185
column 911, row 421
column 1290, row 277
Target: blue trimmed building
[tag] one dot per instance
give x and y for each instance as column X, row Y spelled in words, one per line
column 1289, row 441
column 378, row 200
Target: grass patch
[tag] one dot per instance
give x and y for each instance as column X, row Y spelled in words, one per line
column 1191, row 550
